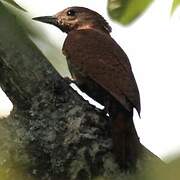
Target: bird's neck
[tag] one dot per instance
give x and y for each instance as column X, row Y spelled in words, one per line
column 92, row 27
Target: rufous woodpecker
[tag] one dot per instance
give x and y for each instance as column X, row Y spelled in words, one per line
column 102, row 70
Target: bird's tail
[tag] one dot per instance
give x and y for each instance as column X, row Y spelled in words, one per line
column 126, row 144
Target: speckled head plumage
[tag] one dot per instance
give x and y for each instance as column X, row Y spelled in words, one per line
column 74, row 18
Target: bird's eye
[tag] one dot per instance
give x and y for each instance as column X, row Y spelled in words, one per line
column 71, row 12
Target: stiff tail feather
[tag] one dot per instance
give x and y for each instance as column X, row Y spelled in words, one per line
column 126, row 144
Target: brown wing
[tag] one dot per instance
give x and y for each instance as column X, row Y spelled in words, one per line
column 100, row 58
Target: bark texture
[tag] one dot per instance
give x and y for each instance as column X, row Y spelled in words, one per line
column 52, row 133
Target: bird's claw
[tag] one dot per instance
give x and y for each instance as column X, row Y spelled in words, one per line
column 68, row 80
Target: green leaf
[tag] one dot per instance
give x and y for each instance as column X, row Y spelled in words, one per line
column 13, row 3
column 126, row 11
column 176, row 3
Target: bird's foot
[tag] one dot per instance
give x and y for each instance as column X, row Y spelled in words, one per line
column 69, row 80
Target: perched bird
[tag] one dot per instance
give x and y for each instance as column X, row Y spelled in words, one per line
column 102, row 70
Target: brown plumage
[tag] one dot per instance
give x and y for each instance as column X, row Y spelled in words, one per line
column 102, row 70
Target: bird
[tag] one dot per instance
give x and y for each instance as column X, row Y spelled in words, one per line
column 102, row 70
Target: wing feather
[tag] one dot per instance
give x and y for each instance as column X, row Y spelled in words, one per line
column 100, row 58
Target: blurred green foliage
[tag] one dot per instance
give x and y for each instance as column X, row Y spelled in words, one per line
column 126, row 11
column 170, row 171
column 36, row 33
column 14, row 160
column 13, row 3
column 122, row 11
column 176, row 3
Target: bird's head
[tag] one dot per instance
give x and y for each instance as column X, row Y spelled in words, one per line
column 75, row 18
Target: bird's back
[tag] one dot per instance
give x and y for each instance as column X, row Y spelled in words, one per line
column 101, row 59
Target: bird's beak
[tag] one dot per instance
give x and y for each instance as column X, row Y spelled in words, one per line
column 47, row 19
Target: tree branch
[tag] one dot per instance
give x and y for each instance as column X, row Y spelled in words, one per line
column 53, row 132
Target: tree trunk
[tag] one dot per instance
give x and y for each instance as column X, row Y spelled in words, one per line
column 52, row 132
